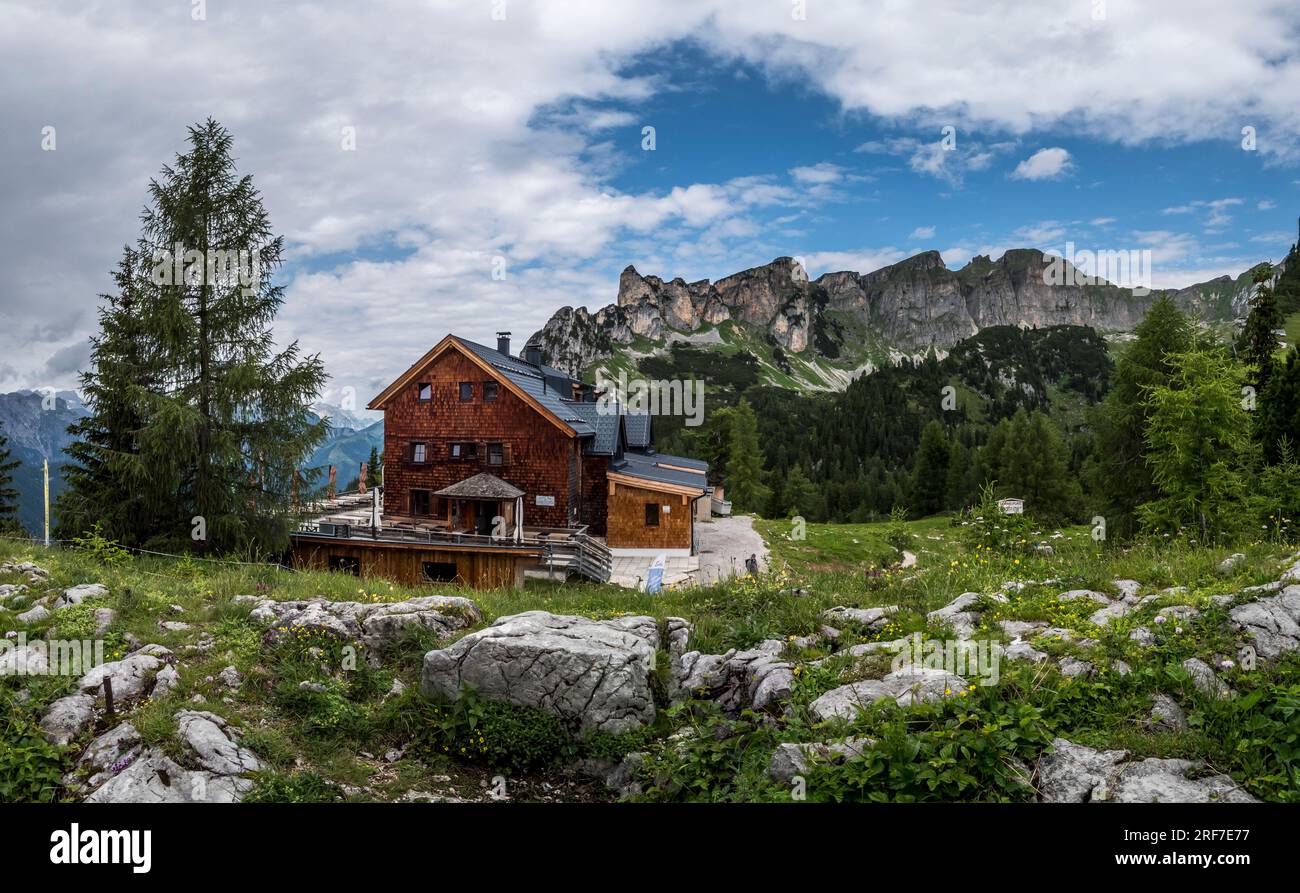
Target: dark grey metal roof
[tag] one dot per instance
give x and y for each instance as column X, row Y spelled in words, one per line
column 650, row 467
column 532, row 380
column 638, row 429
column 607, row 425
column 481, row 486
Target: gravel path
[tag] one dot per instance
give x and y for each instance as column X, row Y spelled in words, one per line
column 725, row 543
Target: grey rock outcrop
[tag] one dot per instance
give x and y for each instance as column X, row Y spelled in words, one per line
column 961, row 614
column 1166, row 715
column 868, row 618
column 1073, row 773
column 78, row 594
column 1271, row 624
column 377, row 626
column 789, row 760
column 1206, row 680
column 756, row 677
column 908, row 686
column 595, row 675
column 213, row 773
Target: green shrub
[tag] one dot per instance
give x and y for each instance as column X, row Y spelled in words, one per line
column 477, row 730
column 897, row 533
column 958, row 749
column 94, row 543
column 300, row 787
column 712, row 759
column 993, row 533
column 31, row 769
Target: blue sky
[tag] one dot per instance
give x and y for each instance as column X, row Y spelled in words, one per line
column 506, row 136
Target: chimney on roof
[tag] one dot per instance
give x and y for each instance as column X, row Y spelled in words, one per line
column 503, row 343
column 533, row 354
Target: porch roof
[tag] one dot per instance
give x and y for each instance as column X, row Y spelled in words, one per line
column 481, row 486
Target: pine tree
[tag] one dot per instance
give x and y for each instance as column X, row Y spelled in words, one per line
column 1259, row 342
column 1116, row 471
column 1278, row 408
column 8, row 493
column 744, row 463
column 221, row 413
column 375, row 467
column 1199, row 448
column 106, row 484
column 1029, row 460
column 800, row 494
column 930, row 473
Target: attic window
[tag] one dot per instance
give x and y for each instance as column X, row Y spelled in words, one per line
column 425, row 391
column 466, row 391
column 490, row 390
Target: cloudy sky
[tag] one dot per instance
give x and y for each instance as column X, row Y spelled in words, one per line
column 492, row 132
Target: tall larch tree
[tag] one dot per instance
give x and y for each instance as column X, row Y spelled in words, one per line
column 222, row 413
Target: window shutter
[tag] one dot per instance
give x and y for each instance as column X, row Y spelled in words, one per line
column 505, row 453
column 482, row 452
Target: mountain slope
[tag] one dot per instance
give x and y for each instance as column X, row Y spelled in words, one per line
column 37, row 429
column 820, row 334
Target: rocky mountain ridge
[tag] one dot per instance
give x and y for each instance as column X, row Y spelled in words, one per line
column 910, row 306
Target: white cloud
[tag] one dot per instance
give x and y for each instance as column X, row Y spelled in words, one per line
column 1045, row 164
column 502, row 137
column 1265, row 205
column 863, row 260
column 1216, row 212
column 1102, row 221
column 943, row 160
column 922, row 232
column 824, row 172
column 1041, row 234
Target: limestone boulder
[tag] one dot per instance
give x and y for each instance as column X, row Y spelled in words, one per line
column 594, row 675
column 907, row 686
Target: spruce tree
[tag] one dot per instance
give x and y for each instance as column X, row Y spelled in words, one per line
column 8, row 493
column 930, row 473
column 106, row 483
column 222, row 412
column 1278, row 408
column 375, row 468
column 1029, row 460
column 800, row 494
column 744, row 478
column 1259, row 342
column 1116, row 471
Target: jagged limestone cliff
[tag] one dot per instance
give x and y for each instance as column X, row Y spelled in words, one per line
column 821, row 332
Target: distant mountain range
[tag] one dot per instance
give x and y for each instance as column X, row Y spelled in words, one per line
column 37, row 430
column 820, row 334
